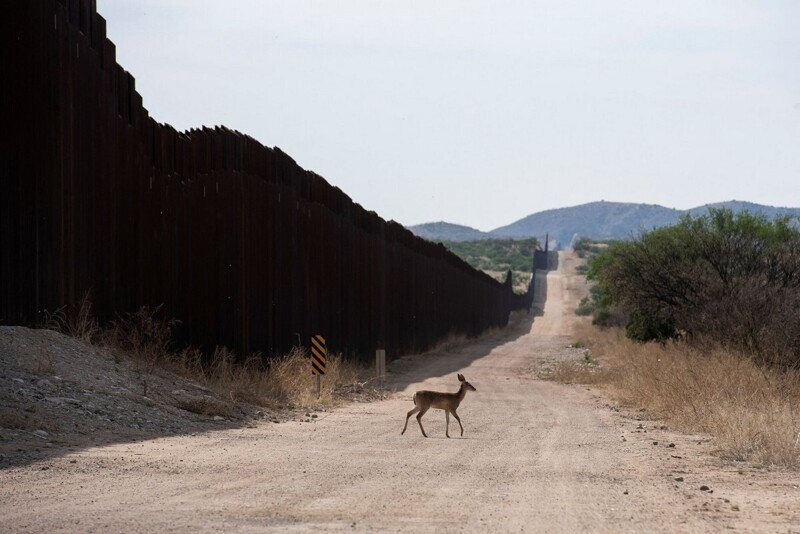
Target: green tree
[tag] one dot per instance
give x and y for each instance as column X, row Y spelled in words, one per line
column 732, row 278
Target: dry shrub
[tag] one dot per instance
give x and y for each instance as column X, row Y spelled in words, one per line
column 753, row 412
column 245, row 381
column 285, row 382
column 75, row 321
column 188, row 362
column 143, row 334
column 291, row 383
column 450, row 343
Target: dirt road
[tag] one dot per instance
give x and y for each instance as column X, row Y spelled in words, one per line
column 536, row 457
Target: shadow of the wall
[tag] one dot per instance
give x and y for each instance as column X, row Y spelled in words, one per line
column 451, row 359
column 540, row 293
column 454, row 357
column 552, row 260
column 30, row 448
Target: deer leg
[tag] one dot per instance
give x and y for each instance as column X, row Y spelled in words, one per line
column 419, row 420
column 459, row 421
column 412, row 412
column 447, row 426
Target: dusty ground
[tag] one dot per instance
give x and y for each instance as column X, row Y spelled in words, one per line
column 536, row 456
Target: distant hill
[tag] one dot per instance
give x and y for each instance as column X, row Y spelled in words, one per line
column 617, row 220
column 597, row 220
column 442, row 231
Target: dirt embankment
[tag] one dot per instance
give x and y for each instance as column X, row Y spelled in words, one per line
column 58, row 394
column 535, row 455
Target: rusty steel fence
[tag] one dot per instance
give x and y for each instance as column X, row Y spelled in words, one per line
column 241, row 245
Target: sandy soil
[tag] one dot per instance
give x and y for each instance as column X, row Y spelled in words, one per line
column 535, row 457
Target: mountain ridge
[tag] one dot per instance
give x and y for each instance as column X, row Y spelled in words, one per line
column 597, row 220
column 444, row 231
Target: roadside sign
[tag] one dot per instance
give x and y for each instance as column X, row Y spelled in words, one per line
column 380, row 365
column 319, row 355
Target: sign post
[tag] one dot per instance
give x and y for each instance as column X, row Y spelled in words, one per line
column 319, row 355
column 380, row 365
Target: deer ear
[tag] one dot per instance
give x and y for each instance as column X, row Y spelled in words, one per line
column 461, row 378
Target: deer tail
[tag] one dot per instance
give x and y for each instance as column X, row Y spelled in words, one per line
column 414, row 398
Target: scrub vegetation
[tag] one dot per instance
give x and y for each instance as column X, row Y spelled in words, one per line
column 285, row 381
column 699, row 324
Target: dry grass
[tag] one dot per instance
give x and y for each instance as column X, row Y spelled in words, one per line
column 286, row 383
column 283, row 383
column 752, row 412
column 142, row 334
column 75, row 321
column 450, row 343
column 290, row 382
column 245, row 381
column 586, row 370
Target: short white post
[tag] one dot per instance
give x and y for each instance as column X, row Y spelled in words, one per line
column 380, row 364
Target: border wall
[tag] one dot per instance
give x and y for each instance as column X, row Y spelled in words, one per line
column 235, row 240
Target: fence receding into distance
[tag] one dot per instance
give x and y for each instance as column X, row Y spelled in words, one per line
column 241, row 245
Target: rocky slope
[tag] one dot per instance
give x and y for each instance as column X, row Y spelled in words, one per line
column 58, row 392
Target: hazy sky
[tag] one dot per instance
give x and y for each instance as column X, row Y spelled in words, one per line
column 480, row 113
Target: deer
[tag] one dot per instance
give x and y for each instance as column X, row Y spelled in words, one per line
column 425, row 400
